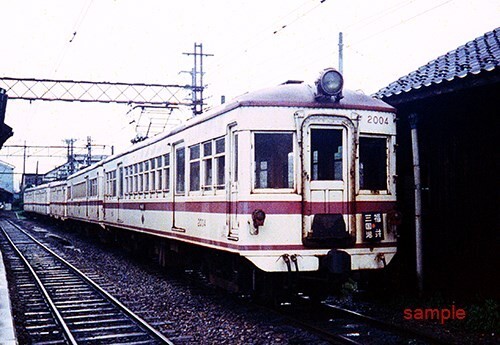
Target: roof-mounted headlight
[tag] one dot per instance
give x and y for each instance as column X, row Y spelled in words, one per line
column 329, row 84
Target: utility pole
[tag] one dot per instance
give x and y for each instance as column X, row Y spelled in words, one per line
column 193, row 83
column 24, row 169
column 71, row 155
column 197, row 78
column 36, row 174
column 413, row 118
column 341, row 53
column 89, row 150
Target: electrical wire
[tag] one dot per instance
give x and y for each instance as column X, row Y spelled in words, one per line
column 398, row 24
column 362, row 23
column 256, row 39
column 76, row 27
column 291, row 52
column 283, row 27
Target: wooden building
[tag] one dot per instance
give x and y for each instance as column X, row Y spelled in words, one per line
column 456, row 100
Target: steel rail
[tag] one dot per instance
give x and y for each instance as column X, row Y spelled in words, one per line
column 48, row 299
column 380, row 324
column 308, row 326
column 385, row 324
column 105, row 294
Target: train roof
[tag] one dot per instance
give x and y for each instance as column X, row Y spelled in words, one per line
column 289, row 94
column 300, row 94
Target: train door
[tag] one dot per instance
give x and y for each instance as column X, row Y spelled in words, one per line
column 327, row 159
column 178, row 184
column 232, row 185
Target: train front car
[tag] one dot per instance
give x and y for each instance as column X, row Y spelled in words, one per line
column 322, row 192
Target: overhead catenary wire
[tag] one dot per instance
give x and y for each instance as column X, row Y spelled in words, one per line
column 400, row 23
column 265, row 34
column 283, row 27
column 257, row 37
column 373, row 18
column 370, row 21
column 76, row 27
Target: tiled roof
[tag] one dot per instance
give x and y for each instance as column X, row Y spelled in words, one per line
column 481, row 54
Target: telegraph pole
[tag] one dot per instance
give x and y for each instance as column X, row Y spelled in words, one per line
column 89, row 150
column 197, row 78
column 413, row 118
column 341, row 53
column 24, row 168
column 71, row 155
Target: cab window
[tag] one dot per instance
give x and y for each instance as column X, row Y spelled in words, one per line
column 274, row 160
column 326, row 155
column 373, row 163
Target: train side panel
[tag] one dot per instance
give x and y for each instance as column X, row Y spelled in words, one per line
column 85, row 195
column 37, row 199
column 57, row 208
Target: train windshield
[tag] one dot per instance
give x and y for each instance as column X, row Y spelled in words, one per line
column 326, row 154
column 373, row 163
column 274, row 160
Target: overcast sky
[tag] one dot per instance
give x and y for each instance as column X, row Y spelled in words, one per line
column 255, row 44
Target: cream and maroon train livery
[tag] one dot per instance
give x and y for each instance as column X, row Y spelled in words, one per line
column 292, row 178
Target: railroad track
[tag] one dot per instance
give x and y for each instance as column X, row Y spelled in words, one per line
column 338, row 325
column 63, row 306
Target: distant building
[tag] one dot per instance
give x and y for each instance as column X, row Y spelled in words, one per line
column 30, row 180
column 61, row 172
column 7, row 176
column 6, row 183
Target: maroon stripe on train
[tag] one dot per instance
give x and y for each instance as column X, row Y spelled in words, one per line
column 270, row 207
column 246, row 207
column 230, row 245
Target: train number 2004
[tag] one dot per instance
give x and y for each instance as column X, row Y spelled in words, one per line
column 378, row 120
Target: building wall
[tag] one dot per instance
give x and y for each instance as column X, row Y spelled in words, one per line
column 458, row 158
column 7, row 177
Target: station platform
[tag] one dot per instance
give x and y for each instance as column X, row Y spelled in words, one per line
column 7, row 333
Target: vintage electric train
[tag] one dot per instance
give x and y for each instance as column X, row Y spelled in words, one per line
column 295, row 179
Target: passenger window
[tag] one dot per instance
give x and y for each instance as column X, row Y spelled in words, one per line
column 126, row 186
column 194, row 168
column 212, row 164
column 136, row 178
column 236, row 150
column 207, row 165
column 152, row 175
column 166, row 172
column 111, row 183
column 326, row 155
column 373, row 163
column 274, row 160
column 158, row 186
column 180, row 161
column 146, row 176
column 120, row 181
column 220, row 162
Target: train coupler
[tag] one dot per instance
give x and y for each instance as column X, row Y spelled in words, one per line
column 338, row 261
